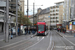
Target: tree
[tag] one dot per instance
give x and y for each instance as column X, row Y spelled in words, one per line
column 23, row 19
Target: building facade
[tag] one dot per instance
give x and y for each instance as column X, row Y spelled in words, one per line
column 2, row 15
column 44, row 15
column 56, row 15
column 69, row 14
column 31, row 19
column 11, row 19
column 12, row 5
column 22, row 5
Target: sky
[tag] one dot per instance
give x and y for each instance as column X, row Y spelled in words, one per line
column 38, row 3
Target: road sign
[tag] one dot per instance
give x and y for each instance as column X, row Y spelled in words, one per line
column 70, row 25
column 48, row 16
column 73, row 23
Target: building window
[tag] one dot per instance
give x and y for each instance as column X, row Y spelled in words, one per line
column 53, row 14
column 57, row 6
column 57, row 17
column 50, row 14
column 63, row 13
column 54, row 21
column 57, row 14
column 51, row 8
column 51, row 18
column 51, row 11
column 51, row 21
column 57, row 10
column 57, row 21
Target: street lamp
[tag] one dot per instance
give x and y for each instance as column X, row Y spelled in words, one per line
column 10, row 24
column 4, row 24
column 34, row 11
column 16, row 16
column 27, row 12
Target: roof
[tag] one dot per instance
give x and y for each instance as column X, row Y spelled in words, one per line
column 42, row 23
column 59, row 2
column 45, row 11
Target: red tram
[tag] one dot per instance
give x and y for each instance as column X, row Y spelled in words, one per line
column 41, row 28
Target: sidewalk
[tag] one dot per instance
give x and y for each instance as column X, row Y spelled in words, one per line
column 65, row 34
column 15, row 40
column 1, row 33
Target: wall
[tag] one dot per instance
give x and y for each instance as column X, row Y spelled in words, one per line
column 61, row 14
column 44, row 17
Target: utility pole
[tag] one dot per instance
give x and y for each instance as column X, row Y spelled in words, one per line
column 16, row 16
column 4, row 24
column 33, row 13
column 7, row 25
column 27, row 12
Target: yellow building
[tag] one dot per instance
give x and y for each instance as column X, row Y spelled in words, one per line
column 22, row 5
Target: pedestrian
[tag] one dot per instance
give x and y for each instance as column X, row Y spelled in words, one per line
column 28, row 30
column 11, row 33
column 18, row 31
column 33, row 30
column 58, row 29
column 64, row 30
column 25, row 31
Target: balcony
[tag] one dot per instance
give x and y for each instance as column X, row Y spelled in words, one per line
column 12, row 3
column 12, row 9
column 19, row 3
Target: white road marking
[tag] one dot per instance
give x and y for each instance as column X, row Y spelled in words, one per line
column 43, row 37
column 50, row 42
column 63, row 42
column 13, row 43
column 35, row 43
column 18, row 45
column 52, row 46
column 69, row 41
column 38, row 39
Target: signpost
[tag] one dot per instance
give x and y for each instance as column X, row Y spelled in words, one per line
column 70, row 25
column 49, row 16
column 74, row 24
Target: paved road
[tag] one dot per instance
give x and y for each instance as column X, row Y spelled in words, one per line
column 35, row 43
column 53, row 41
column 62, row 43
